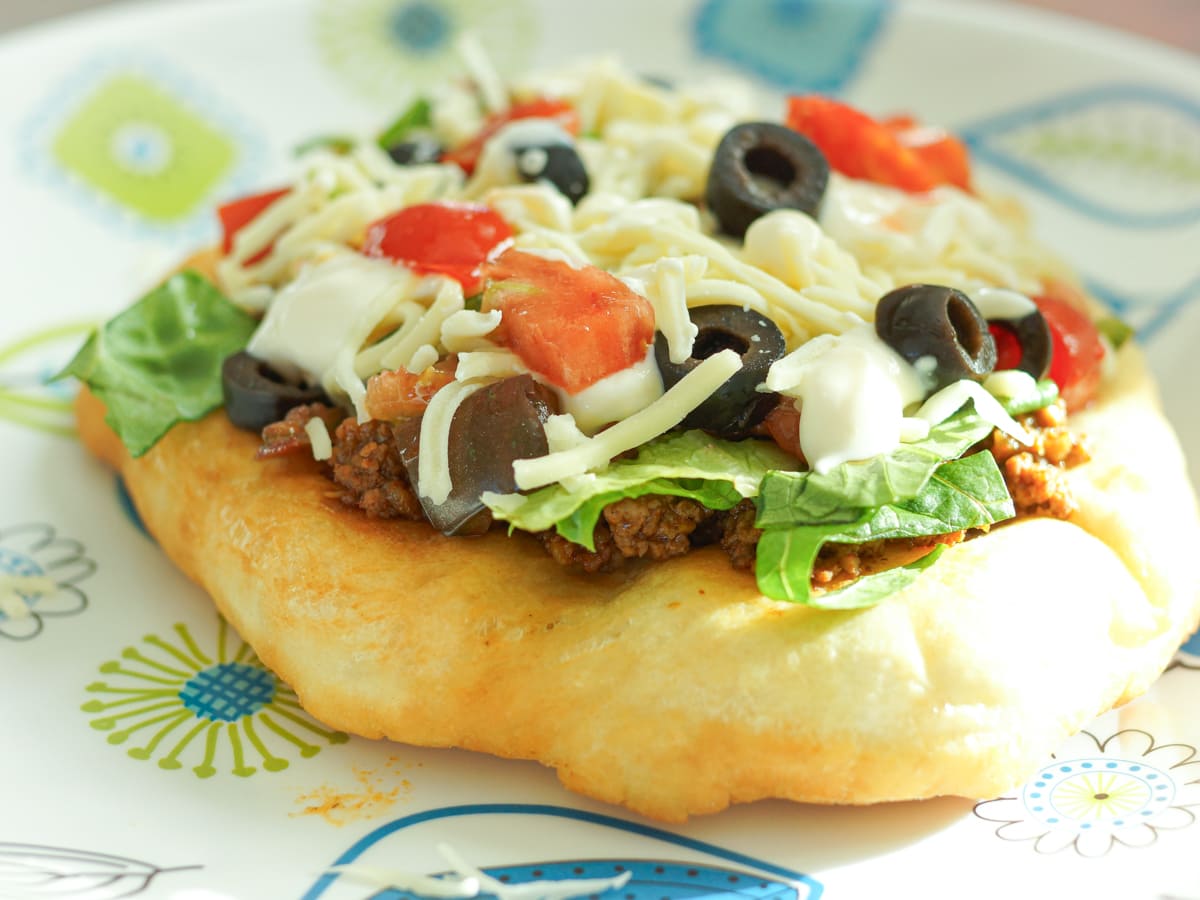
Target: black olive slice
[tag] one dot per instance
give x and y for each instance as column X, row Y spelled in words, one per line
column 938, row 330
column 256, row 395
column 558, row 164
column 492, row 427
column 1020, row 316
column 417, row 150
column 759, row 167
column 737, row 406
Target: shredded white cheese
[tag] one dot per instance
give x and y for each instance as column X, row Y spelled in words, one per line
column 616, row 397
column 951, row 398
column 488, row 364
column 647, row 151
column 423, row 357
column 492, row 90
column 662, row 415
column 433, row 463
column 428, row 328
column 318, row 438
column 464, row 330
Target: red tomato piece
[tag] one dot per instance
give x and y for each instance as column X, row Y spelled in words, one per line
column 453, row 239
column 944, row 156
column 1008, row 347
column 898, row 152
column 783, row 424
column 571, row 326
column 400, row 394
column 1077, row 351
column 237, row 214
column 467, row 156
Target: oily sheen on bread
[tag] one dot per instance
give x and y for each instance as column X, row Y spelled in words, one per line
column 675, row 688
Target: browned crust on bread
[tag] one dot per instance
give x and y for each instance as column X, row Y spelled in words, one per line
column 675, row 688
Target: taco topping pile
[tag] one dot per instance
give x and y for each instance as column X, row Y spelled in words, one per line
column 632, row 320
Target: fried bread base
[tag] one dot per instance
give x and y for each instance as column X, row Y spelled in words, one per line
column 674, row 688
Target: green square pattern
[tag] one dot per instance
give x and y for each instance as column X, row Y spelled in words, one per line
column 143, row 148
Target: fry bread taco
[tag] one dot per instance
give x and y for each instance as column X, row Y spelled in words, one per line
column 699, row 456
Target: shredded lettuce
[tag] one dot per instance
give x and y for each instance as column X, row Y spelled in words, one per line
column 159, row 362
column 870, row 589
column 691, row 464
column 839, row 496
column 1045, row 394
column 418, row 115
column 961, row 494
column 920, row 489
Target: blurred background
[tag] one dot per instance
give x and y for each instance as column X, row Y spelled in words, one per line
column 1174, row 22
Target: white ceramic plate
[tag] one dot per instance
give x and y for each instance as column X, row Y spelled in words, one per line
column 146, row 752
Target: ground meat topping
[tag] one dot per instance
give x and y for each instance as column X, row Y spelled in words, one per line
column 739, row 537
column 654, row 526
column 605, row 558
column 288, row 435
column 1034, row 473
column 366, row 464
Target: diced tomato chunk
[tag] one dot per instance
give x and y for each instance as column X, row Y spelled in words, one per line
column 237, row 214
column 899, row 152
column 467, row 156
column 400, row 394
column 573, row 326
column 1077, row 351
column 783, row 424
column 453, row 239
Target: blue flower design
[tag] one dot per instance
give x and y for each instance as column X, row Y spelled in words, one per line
column 46, row 569
column 386, row 49
column 814, row 45
column 1097, row 794
column 1122, row 154
column 660, row 864
column 214, row 703
column 1188, row 656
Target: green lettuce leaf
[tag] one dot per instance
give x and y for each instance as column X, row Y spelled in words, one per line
column 683, row 464
column 1116, row 330
column 159, row 362
column 840, row 495
column 965, row 493
column 1046, row 393
column 418, row 115
column 870, row 590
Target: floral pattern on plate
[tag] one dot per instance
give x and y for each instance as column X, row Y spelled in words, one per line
column 662, row 865
column 217, row 705
column 140, row 144
column 39, row 574
column 32, row 870
column 1127, row 155
column 813, row 45
column 384, row 48
column 1097, row 794
column 28, row 394
column 1188, row 656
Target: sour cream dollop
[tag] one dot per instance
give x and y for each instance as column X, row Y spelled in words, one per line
column 852, row 390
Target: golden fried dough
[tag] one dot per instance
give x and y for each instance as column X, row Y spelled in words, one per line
column 674, row 688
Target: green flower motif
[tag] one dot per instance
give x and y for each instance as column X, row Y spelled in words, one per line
column 26, row 364
column 139, row 145
column 1125, row 154
column 217, row 705
column 387, row 49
